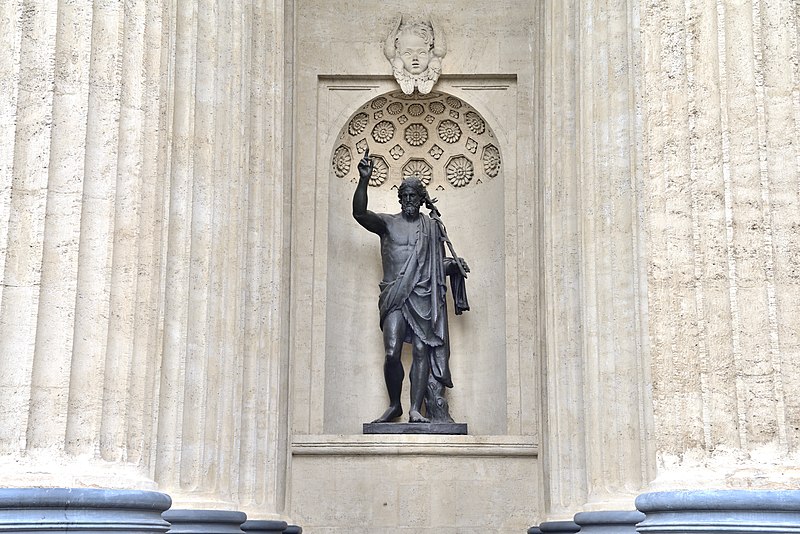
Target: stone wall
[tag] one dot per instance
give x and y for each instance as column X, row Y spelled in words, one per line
column 171, row 229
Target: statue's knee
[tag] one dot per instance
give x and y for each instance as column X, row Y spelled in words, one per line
column 393, row 353
column 420, row 350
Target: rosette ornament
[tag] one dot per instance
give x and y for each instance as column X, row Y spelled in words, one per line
column 459, row 171
column 383, row 132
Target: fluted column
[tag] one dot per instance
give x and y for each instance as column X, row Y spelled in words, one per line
column 617, row 406
column 144, row 204
column 597, row 404
column 724, row 144
column 264, row 434
column 222, row 412
column 564, row 454
column 79, row 185
column 26, row 156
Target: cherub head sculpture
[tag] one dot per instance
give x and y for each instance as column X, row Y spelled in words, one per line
column 415, row 49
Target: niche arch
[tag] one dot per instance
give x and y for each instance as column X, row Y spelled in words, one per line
column 438, row 138
column 443, row 140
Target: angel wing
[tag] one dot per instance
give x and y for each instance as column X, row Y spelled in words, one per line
column 439, row 39
column 388, row 46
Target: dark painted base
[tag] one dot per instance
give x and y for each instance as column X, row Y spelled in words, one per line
column 416, row 428
column 82, row 510
column 257, row 526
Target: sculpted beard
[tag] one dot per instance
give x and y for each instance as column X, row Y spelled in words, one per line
column 410, row 207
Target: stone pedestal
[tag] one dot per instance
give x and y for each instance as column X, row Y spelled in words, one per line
column 293, row 529
column 720, row 511
column 534, row 530
column 82, row 510
column 205, row 521
column 609, row 522
column 558, row 526
column 264, row 526
column 426, row 484
column 416, row 428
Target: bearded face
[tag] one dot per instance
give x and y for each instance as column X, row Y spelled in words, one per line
column 410, row 201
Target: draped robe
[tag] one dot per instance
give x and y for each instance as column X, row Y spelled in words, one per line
column 419, row 293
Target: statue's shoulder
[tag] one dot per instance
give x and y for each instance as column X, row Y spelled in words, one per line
column 391, row 217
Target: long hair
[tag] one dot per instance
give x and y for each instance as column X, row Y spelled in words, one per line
column 417, row 185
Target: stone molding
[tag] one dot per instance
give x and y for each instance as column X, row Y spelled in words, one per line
column 505, row 446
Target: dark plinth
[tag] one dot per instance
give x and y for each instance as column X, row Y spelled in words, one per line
column 205, row 521
column 82, row 510
column 720, row 511
column 293, row 529
column 415, row 428
column 264, row 526
column 559, row 526
column 609, row 522
column 534, row 530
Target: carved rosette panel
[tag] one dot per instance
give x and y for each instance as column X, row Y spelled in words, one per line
column 437, row 138
column 383, row 132
column 460, row 171
column 416, row 134
column 419, row 169
column 380, row 171
column 491, row 160
column 341, row 161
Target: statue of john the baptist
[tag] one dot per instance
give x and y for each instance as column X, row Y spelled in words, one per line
column 412, row 301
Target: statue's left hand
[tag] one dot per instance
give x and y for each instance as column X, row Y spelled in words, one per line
column 365, row 166
column 464, row 264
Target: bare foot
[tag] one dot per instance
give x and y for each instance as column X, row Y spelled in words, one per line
column 416, row 417
column 391, row 413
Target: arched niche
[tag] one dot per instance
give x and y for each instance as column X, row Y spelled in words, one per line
column 448, row 144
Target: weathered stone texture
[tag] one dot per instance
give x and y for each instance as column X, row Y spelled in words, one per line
column 720, row 96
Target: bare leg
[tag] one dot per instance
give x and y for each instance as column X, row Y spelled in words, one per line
column 420, row 369
column 394, row 332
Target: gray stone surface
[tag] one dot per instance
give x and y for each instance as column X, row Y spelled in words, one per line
column 205, row 521
column 82, row 510
column 264, row 526
column 609, row 522
column 720, row 511
column 415, row 428
column 558, row 526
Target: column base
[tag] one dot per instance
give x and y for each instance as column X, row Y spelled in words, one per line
column 264, row 526
column 82, row 510
column 609, row 522
column 205, row 521
column 559, row 526
column 720, row 511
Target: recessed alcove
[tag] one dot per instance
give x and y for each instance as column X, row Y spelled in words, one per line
column 450, row 146
column 474, row 179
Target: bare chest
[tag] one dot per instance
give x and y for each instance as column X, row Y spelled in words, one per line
column 402, row 232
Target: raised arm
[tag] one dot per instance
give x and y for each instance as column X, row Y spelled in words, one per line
column 369, row 220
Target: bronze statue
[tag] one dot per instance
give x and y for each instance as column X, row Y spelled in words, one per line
column 412, row 301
